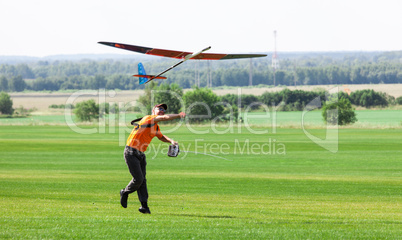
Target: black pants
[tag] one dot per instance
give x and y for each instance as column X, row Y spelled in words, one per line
column 136, row 163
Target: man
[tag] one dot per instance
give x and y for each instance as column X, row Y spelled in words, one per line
column 137, row 144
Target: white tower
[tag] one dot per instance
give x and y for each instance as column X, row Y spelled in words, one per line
column 250, row 73
column 275, row 60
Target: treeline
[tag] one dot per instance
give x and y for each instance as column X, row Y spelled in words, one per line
column 68, row 75
column 316, row 70
column 204, row 105
column 296, row 100
column 202, row 102
column 285, row 100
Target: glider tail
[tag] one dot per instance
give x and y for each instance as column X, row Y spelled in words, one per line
column 141, row 71
column 143, row 75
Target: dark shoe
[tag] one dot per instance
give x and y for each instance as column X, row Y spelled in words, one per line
column 144, row 210
column 123, row 198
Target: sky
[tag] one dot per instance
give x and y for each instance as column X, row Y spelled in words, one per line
column 47, row 27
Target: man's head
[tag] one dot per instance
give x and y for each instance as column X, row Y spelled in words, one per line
column 159, row 109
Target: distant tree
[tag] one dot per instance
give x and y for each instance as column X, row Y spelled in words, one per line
column 399, row 100
column 17, row 84
column 115, row 82
column 340, row 112
column 87, row 110
column 171, row 94
column 249, row 100
column 230, row 113
column 369, row 98
column 145, row 100
column 3, row 83
column 280, row 77
column 241, row 101
column 6, row 104
column 270, row 98
column 41, row 84
column 202, row 104
column 104, row 108
column 25, row 71
column 114, row 108
column 97, row 82
column 235, row 77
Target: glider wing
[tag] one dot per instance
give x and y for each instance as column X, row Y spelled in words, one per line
column 179, row 54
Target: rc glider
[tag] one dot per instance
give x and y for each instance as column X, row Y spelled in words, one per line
column 176, row 54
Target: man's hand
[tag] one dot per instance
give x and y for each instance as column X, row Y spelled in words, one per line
column 182, row 114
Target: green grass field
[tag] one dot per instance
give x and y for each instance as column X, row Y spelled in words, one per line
column 378, row 118
column 375, row 118
column 58, row 184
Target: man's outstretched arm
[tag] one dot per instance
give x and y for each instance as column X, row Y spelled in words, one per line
column 169, row 117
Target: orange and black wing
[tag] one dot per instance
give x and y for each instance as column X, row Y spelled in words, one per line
column 179, row 54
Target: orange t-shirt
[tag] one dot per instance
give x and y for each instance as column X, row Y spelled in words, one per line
column 142, row 135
